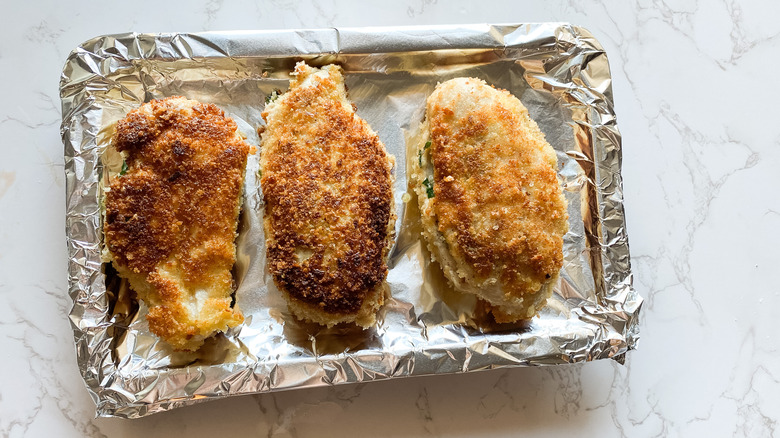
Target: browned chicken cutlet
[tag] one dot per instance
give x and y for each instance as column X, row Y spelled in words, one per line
column 329, row 216
column 171, row 220
column 492, row 208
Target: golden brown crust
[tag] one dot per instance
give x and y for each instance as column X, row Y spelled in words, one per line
column 327, row 184
column 171, row 219
column 498, row 202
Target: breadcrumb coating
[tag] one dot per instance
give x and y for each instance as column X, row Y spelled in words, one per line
column 495, row 217
column 329, row 213
column 171, row 219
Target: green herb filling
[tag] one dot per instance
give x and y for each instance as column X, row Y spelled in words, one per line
column 428, row 187
column 273, row 96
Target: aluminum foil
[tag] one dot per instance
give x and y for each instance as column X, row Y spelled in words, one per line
column 559, row 71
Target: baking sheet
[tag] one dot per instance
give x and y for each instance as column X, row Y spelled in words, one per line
column 559, row 71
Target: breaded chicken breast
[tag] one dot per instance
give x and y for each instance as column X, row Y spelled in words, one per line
column 492, row 209
column 171, row 219
column 329, row 214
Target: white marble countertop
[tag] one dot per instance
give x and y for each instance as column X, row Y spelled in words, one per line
column 692, row 87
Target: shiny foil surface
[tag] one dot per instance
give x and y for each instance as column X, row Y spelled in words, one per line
column 559, row 71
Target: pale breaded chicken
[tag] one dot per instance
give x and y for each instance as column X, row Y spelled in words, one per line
column 171, row 220
column 492, row 209
column 329, row 214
